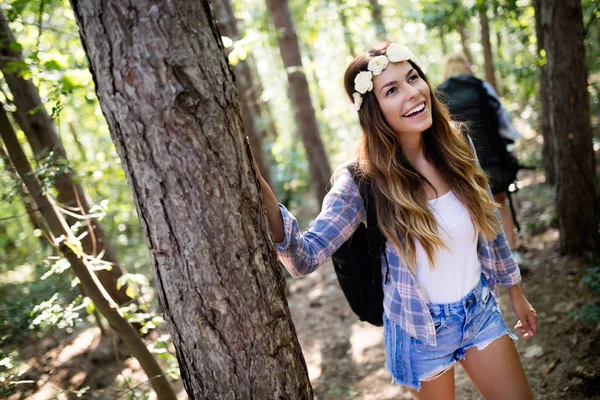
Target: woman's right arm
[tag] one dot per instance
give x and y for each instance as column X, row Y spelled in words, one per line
column 341, row 213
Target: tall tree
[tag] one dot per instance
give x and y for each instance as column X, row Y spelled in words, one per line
column 464, row 39
column 548, row 152
column 377, row 15
column 318, row 163
column 249, row 97
column 57, row 227
column 41, row 134
column 578, row 205
column 342, row 8
column 485, row 42
column 177, row 126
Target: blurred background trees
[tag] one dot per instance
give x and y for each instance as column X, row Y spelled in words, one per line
column 511, row 43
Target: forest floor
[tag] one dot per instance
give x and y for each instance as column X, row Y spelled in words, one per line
column 345, row 357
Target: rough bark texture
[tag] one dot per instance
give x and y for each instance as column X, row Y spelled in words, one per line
column 169, row 98
column 90, row 284
column 39, row 129
column 548, row 152
column 304, row 112
column 578, row 206
column 487, row 46
column 377, row 15
column 249, row 97
column 464, row 40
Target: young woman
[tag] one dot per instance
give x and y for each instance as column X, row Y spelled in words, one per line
column 445, row 246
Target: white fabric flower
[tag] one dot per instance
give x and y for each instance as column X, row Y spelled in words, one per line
column 363, row 82
column 396, row 52
column 378, row 64
column 357, row 100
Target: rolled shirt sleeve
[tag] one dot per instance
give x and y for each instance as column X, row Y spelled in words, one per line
column 341, row 213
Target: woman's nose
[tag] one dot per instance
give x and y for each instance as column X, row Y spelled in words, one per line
column 411, row 92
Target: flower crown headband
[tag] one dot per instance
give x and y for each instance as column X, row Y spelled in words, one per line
column 363, row 82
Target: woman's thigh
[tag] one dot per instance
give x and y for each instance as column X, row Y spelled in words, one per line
column 497, row 371
column 440, row 388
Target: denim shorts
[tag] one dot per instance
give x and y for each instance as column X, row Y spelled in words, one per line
column 475, row 320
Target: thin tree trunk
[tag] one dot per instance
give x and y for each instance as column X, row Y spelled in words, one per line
column 576, row 186
column 464, row 40
column 487, row 46
column 376, row 13
column 304, row 112
column 228, row 27
column 93, row 288
column 23, row 194
column 341, row 8
column 39, row 129
column 548, row 152
column 443, row 40
column 177, row 126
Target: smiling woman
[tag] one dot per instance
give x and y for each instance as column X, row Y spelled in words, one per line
column 444, row 248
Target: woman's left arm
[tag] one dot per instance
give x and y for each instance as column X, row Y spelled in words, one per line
column 527, row 323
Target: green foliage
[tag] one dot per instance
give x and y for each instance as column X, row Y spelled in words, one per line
column 21, row 313
column 590, row 311
column 50, row 314
column 10, row 370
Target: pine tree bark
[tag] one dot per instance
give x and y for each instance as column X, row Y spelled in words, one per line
column 58, row 227
column 227, row 24
column 169, row 98
column 548, row 152
column 487, row 46
column 304, row 112
column 38, row 127
column 377, row 15
column 576, row 186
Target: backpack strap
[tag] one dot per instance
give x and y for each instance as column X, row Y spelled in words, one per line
column 376, row 239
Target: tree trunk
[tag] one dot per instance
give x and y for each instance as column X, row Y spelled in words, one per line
column 39, row 129
column 177, row 126
column 578, row 206
column 92, row 287
column 30, row 207
column 341, row 8
column 487, row 46
column 464, row 40
column 443, row 40
column 548, row 152
column 227, row 24
column 306, row 120
column 376, row 13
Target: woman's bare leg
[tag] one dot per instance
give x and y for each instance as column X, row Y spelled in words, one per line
column 441, row 388
column 497, row 371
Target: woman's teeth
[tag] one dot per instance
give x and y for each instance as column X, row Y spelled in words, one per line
column 415, row 110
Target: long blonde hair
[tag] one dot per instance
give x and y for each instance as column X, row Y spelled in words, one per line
column 398, row 188
column 456, row 64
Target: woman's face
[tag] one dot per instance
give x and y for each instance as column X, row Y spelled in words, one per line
column 404, row 98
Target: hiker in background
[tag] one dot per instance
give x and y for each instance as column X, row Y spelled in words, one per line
column 443, row 250
column 476, row 104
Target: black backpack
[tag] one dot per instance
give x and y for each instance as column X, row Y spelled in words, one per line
column 468, row 101
column 357, row 263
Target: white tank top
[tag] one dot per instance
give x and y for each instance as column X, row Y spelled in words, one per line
column 456, row 269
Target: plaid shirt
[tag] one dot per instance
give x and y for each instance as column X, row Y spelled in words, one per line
column 342, row 212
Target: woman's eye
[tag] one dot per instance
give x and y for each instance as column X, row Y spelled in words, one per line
column 413, row 77
column 392, row 90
